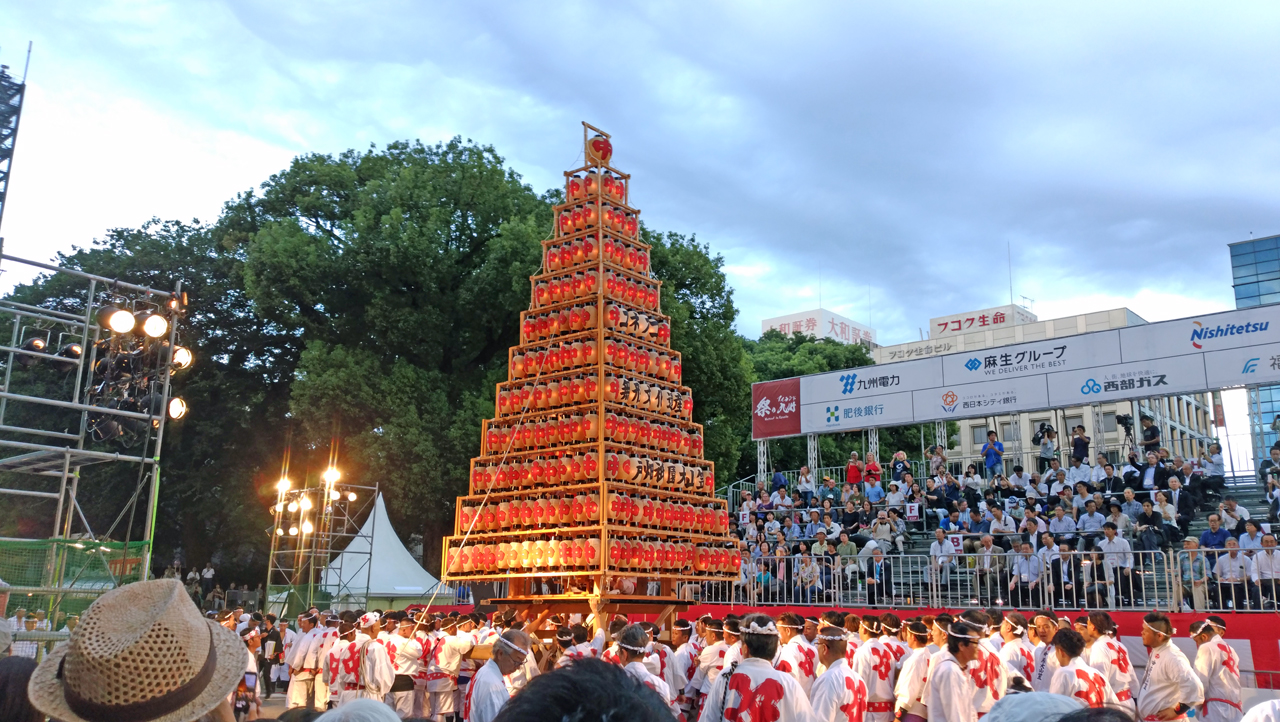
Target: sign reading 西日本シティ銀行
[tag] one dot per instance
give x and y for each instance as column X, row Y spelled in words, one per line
column 1190, row 355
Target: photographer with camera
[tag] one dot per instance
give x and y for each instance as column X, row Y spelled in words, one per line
column 1215, row 474
column 1079, row 444
column 1046, row 437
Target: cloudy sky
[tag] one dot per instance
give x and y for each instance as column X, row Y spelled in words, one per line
column 902, row 148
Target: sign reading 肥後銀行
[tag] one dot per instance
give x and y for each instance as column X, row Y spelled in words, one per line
column 1190, row 355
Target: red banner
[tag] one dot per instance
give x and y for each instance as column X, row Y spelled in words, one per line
column 775, row 409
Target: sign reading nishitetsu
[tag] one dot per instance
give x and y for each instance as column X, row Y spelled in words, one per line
column 592, row 468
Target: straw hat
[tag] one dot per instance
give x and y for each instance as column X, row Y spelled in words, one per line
column 141, row 653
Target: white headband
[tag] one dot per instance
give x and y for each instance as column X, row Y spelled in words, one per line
column 1157, row 631
column 1016, row 629
column 832, row 637
column 963, row 636
column 887, row 628
column 788, row 626
column 864, row 625
column 512, row 645
column 768, row 629
column 633, row 649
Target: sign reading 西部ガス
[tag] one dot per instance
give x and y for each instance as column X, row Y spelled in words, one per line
column 1189, row 355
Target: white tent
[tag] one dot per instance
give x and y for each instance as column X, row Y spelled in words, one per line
column 391, row 571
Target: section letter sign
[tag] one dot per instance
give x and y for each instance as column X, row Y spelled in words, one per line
column 775, row 409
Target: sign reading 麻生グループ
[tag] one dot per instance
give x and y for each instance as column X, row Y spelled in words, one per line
column 1190, row 355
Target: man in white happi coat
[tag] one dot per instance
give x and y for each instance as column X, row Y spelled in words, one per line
column 1074, row 678
column 303, row 660
column 797, row 657
column 1218, row 667
column 1169, row 686
column 950, row 689
column 733, row 645
column 633, row 646
column 328, row 637
column 408, row 668
column 891, row 626
column 1017, row 652
column 1046, row 623
column 488, row 691
column 989, row 674
column 873, row 665
column 444, row 659
column 1109, row 656
column 838, row 694
column 661, row 657
column 752, row 689
column 684, row 662
column 911, row 678
column 710, row 661
column 359, row 667
column 280, row 670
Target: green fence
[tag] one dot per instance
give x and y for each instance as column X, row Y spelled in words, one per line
column 63, row 576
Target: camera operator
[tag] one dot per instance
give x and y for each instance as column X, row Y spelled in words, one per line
column 1214, row 472
column 1150, row 435
column 1046, row 437
column 1079, row 443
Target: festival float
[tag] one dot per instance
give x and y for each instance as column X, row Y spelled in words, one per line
column 592, row 469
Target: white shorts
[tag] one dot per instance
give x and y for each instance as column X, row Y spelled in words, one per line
column 440, row 704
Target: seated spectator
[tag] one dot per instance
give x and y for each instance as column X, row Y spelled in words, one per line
column 1002, row 528
column 828, row 491
column 1098, row 472
column 1236, row 580
column 1032, row 525
column 1047, row 549
column 763, row 504
column 1007, row 488
column 846, row 549
column 1089, row 525
column 1150, row 531
column 1215, row 537
column 1019, row 478
column 971, row 480
column 830, row 526
column 1066, row 577
column 849, row 493
column 1267, row 563
column 780, row 500
column 895, row 499
column 1062, row 526
column 875, row 494
column 1131, row 506
column 791, row 530
column 885, row 533
column 1251, row 539
column 976, row 524
column 989, row 567
column 1080, row 495
column 1233, row 515
column 951, row 524
column 942, row 559
column 849, row 516
column 1078, row 472
column 1169, row 515
column 747, row 505
column 1122, row 521
column 1024, row 583
column 771, row 525
column 814, row 526
column 808, row 580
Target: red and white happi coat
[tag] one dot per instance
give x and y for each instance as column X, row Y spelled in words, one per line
column 1218, row 667
column 873, row 664
column 1082, row 682
column 1111, row 659
column 754, row 690
column 1019, row 658
column 990, row 678
column 800, row 660
column 655, row 683
column 839, row 695
column 684, row 665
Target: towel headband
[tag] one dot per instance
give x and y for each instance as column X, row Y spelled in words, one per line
column 512, row 645
column 767, row 630
column 1170, row 633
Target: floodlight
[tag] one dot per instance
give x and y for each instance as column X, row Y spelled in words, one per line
column 351, row 496
column 182, row 357
column 35, row 343
column 293, row 531
column 305, row 503
column 115, row 319
column 177, row 408
column 283, row 484
column 293, row 506
column 306, row 527
column 331, row 475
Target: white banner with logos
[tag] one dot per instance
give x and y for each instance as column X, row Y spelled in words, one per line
column 1189, row 355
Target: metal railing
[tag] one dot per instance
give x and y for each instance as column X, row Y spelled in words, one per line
column 1212, row 580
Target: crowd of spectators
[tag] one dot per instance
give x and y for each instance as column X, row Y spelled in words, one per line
column 1093, row 526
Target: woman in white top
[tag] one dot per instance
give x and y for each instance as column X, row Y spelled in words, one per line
column 1169, row 513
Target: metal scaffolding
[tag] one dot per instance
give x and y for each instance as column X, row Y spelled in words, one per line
column 313, row 560
column 76, row 395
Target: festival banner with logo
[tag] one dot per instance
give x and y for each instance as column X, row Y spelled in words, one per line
column 1190, row 355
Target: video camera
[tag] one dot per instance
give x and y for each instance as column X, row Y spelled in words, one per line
column 1037, row 437
column 1125, row 421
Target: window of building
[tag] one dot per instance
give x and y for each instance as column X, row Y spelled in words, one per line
column 979, row 435
column 1072, row 422
column 1008, row 431
column 1109, row 421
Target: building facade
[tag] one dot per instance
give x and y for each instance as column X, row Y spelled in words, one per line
column 1255, row 277
column 822, row 323
column 1185, row 421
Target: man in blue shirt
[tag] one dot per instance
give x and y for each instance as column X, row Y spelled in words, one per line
column 993, row 451
column 829, row 491
column 875, row 494
column 779, row 481
column 1215, row 537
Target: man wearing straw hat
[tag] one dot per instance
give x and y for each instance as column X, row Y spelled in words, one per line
column 143, row 653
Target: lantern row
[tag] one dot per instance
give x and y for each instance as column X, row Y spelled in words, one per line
column 647, row 327
column 583, row 284
column 548, row 471
column 555, row 358
column 551, row 556
column 576, row 390
column 591, row 215
column 567, row 255
column 581, row 186
column 569, row 510
column 570, row 429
